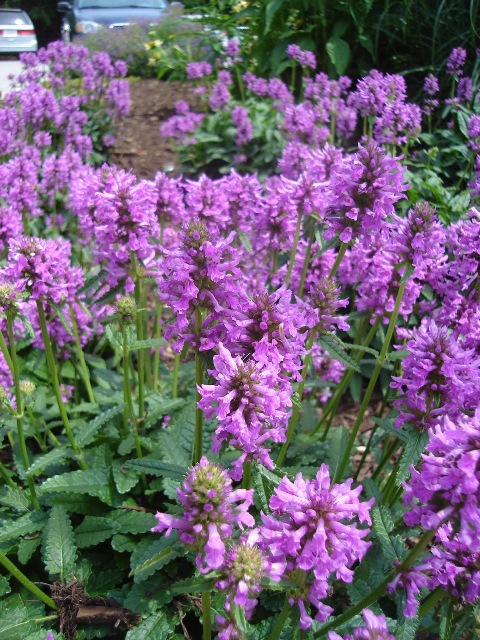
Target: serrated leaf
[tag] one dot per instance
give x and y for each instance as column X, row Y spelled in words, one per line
column 14, row 622
column 260, row 491
column 133, row 521
column 94, row 530
column 27, row 547
column 158, row 468
column 25, row 525
column 4, row 586
column 383, row 525
column 329, row 344
column 122, row 543
column 145, row 561
column 269, row 475
column 27, row 324
column 52, row 457
column 411, row 455
column 15, row 499
column 59, row 548
column 85, row 435
column 358, row 590
column 124, row 477
column 193, row 585
column 406, row 628
column 155, row 627
column 92, row 482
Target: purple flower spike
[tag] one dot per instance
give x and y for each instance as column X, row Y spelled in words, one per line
column 211, row 509
column 311, row 529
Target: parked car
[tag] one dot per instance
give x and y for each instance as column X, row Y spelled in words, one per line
column 84, row 17
column 17, row 33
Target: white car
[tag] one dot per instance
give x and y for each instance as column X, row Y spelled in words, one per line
column 17, row 33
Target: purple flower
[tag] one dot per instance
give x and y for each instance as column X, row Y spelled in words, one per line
column 312, row 529
column 244, row 567
column 456, row 62
column 250, row 403
column 375, row 629
column 197, row 70
column 241, row 120
column 201, row 273
column 439, row 377
column 363, row 193
column 211, row 511
column 305, row 58
column 324, row 299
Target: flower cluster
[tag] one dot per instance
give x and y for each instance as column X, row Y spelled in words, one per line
column 312, row 530
column 211, row 510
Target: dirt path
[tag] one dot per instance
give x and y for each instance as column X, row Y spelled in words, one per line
column 140, row 146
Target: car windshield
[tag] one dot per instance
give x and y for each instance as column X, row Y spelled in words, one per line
column 13, row 18
column 122, row 4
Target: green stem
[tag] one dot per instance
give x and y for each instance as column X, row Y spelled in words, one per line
column 247, row 475
column 386, row 455
column 22, row 578
column 156, row 357
column 306, row 262
column 4, row 350
column 176, row 367
column 341, row 252
column 207, row 615
column 6, row 477
column 296, row 409
column 19, row 412
column 52, row 370
column 127, row 393
column 141, row 352
column 281, row 620
column 81, row 357
column 357, row 356
column 198, row 397
column 293, row 253
column 371, row 385
column 381, row 589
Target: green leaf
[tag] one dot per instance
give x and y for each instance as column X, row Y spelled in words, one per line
column 59, row 548
column 149, row 343
column 406, row 628
column 86, row 434
column 52, row 457
column 15, row 499
column 92, row 482
column 338, row 50
column 328, row 343
column 155, row 627
column 14, row 622
column 383, row 525
column 245, row 240
column 193, row 585
column 124, row 477
column 23, row 526
column 158, row 468
column 411, row 455
column 270, row 11
column 4, row 586
column 61, row 317
column 94, row 530
column 146, row 559
column 133, row 521
column 27, row 547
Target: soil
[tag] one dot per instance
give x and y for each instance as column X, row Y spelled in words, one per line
column 140, row 147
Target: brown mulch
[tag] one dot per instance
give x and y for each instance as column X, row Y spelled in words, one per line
column 140, row 147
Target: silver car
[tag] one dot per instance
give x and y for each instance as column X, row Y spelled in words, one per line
column 17, row 33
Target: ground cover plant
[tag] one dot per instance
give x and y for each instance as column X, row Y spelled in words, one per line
column 174, row 353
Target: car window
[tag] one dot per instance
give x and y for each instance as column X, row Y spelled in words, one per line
column 13, row 18
column 119, row 4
